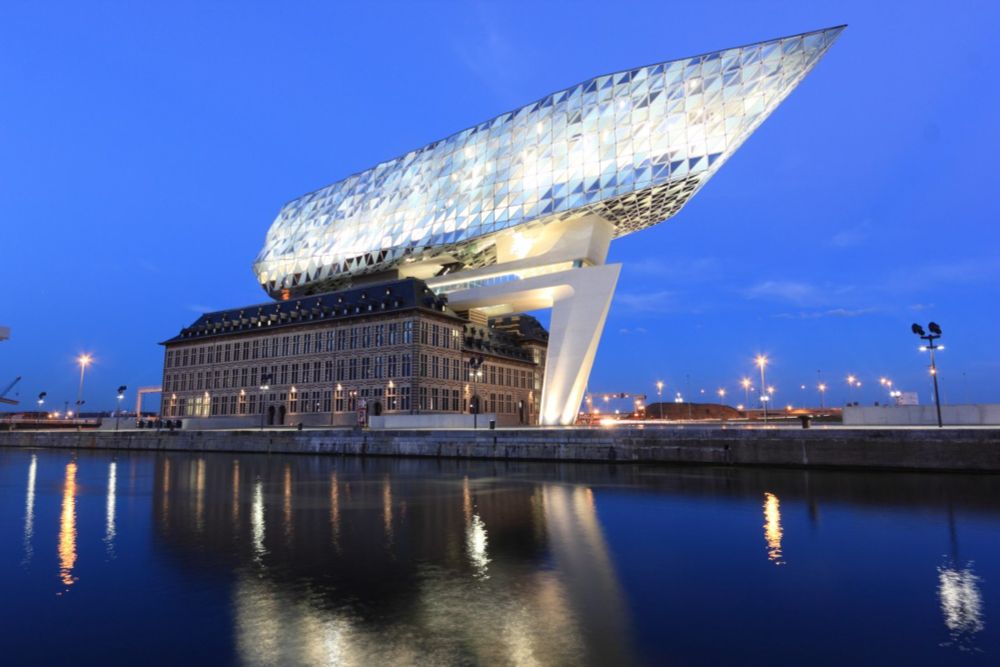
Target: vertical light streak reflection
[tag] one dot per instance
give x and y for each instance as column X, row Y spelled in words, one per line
column 165, row 500
column 236, row 493
column 67, row 527
column 287, row 497
column 476, row 542
column 335, row 510
column 109, row 510
column 199, row 495
column 257, row 521
column 29, row 511
column 961, row 604
column 387, row 509
column 772, row 528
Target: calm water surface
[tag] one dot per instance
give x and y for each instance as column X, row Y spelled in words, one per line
column 174, row 559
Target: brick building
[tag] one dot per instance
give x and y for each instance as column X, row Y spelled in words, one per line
column 385, row 349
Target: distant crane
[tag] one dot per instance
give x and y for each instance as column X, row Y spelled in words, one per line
column 6, row 390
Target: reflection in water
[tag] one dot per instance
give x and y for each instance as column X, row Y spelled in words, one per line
column 287, row 502
column 475, row 543
column 67, row 527
column 236, row 491
column 387, row 509
column 335, row 510
column 961, row 604
column 772, row 528
column 29, row 511
column 109, row 511
column 199, row 494
column 257, row 520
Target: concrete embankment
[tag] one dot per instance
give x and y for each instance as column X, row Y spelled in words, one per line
column 903, row 449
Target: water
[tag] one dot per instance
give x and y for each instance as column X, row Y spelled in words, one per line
column 171, row 559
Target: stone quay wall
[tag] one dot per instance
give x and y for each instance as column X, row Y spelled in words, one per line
column 973, row 450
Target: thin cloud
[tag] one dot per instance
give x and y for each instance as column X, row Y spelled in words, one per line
column 678, row 271
column 660, row 301
column 853, row 236
column 785, row 290
column 832, row 312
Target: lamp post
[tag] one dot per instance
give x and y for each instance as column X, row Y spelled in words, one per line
column 822, row 393
column 745, row 382
column 722, row 394
column 659, row 396
column 41, row 399
column 475, row 366
column 83, row 360
column 761, row 361
column 265, row 379
column 931, row 347
column 118, row 414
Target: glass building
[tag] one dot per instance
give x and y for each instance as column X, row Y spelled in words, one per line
column 630, row 147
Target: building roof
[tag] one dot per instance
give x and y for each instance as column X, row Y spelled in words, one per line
column 631, row 147
column 363, row 301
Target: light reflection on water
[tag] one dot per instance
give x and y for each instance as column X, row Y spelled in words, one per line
column 311, row 560
column 772, row 528
column 67, row 527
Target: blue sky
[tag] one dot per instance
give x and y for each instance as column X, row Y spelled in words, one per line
column 146, row 147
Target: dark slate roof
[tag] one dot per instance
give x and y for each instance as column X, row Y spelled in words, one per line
column 487, row 340
column 521, row 327
column 388, row 297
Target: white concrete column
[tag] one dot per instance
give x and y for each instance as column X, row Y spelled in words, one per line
column 579, row 310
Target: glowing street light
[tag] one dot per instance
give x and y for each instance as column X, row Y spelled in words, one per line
column 745, row 382
column 121, row 395
column 659, row 396
column 722, row 394
column 761, row 362
column 822, row 393
column 931, row 347
column 265, row 381
column 83, row 360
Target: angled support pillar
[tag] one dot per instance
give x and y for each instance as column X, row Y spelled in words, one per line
column 579, row 299
column 579, row 310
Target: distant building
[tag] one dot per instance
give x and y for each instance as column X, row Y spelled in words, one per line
column 383, row 349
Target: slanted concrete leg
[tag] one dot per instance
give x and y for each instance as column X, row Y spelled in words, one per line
column 579, row 310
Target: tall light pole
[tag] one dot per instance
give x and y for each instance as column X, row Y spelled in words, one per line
column 265, row 379
column 722, row 394
column 761, row 362
column 41, row 400
column 84, row 360
column 659, row 396
column 822, row 394
column 118, row 414
column 931, row 347
column 746, row 389
column 475, row 366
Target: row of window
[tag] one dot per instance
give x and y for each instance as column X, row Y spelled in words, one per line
column 391, row 398
column 379, row 367
column 333, row 340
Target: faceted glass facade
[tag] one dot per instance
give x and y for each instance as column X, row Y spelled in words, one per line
column 631, row 147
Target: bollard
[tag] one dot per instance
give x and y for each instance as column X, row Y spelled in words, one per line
column 805, row 420
column 493, row 424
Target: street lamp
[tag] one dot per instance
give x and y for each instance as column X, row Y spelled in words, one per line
column 265, row 380
column 121, row 395
column 659, row 396
column 83, row 360
column 475, row 371
column 822, row 394
column 746, row 389
column 722, row 394
column 41, row 399
column 931, row 347
column 761, row 362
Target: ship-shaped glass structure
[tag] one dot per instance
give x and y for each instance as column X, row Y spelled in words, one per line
column 630, row 147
